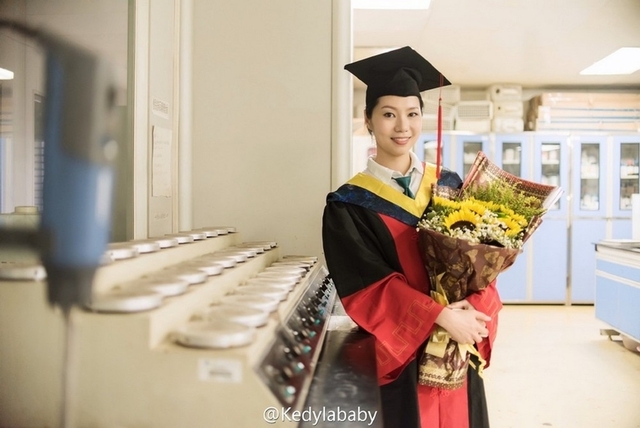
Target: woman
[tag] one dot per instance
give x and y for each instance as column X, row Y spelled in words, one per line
column 370, row 244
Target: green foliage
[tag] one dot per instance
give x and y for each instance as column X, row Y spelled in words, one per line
column 500, row 193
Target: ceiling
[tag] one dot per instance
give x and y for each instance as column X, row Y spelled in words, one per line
column 532, row 43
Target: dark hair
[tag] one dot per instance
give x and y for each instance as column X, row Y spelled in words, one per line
column 368, row 109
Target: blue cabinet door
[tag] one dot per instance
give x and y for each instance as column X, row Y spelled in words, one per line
column 606, row 304
column 584, row 234
column 626, row 177
column 550, row 262
column 513, row 283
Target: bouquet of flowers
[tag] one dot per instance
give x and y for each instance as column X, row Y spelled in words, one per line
column 468, row 236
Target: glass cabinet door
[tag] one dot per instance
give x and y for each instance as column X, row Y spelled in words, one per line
column 513, row 154
column 629, row 154
column 512, row 158
column 468, row 148
column 550, row 166
column 590, row 198
column 589, row 175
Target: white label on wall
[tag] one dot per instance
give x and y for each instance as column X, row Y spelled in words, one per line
column 219, row 370
column 161, row 162
column 160, row 108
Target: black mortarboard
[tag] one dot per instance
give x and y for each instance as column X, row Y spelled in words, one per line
column 403, row 72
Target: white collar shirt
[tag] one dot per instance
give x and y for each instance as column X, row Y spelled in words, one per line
column 386, row 175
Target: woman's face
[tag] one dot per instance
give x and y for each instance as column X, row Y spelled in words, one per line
column 396, row 123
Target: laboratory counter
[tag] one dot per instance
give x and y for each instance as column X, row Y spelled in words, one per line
column 617, row 297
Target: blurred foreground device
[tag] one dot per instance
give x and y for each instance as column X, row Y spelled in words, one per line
column 78, row 165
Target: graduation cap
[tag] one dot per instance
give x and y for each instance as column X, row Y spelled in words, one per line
column 402, row 72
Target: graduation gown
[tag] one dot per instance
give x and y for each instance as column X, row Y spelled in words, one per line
column 371, row 249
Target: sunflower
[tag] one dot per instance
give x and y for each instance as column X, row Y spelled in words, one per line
column 520, row 219
column 461, row 219
column 506, row 210
column 513, row 227
column 491, row 206
column 446, row 203
column 476, row 208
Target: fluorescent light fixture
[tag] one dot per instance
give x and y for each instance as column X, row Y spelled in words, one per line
column 5, row 74
column 622, row 61
column 391, row 4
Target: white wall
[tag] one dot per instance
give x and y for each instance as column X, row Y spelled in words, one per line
column 262, row 118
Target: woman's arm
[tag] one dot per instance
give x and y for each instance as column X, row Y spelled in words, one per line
column 486, row 301
column 359, row 252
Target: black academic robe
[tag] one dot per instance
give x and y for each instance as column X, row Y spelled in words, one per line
column 371, row 250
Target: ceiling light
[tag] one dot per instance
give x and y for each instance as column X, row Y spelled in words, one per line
column 622, row 61
column 390, row 4
column 5, row 74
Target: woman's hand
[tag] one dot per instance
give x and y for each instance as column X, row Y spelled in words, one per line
column 462, row 304
column 465, row 326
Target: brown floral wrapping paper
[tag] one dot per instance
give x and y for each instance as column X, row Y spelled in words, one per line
column 457, row 268
column 463, row 267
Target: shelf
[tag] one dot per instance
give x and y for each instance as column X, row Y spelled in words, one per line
column 551, row 162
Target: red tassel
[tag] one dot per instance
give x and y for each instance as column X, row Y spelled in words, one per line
column 439, row 149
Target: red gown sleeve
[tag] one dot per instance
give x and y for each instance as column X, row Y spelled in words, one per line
column 400, row 317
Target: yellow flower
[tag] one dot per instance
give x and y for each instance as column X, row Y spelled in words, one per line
column 447, row 203
column 491, row 206
column 506, row 210
column 476, row 208
column 513, row 228
column 520, row 219
column 461, row 219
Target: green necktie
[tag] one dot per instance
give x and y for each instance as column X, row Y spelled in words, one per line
column 404, row 183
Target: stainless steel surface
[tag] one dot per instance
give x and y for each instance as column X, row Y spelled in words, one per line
column 345, row 383
column 288, row 366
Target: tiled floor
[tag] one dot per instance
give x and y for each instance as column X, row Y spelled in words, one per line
column 552, row 368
